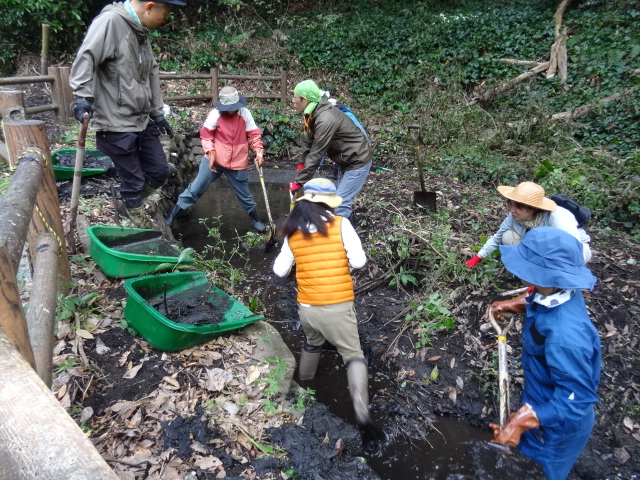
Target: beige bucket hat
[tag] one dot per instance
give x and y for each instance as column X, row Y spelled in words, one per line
column 530, row 194
column 321, row 190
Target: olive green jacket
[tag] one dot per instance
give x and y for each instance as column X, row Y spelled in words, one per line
column 115, row 68
column 335, row 135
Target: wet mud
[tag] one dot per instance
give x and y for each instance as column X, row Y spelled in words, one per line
column 194, row 308
column 90, row 161
column 143, row 243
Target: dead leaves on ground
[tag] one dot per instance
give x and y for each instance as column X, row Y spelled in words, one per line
column 129, row 434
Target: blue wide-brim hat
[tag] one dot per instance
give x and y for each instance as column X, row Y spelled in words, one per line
column 548, row 257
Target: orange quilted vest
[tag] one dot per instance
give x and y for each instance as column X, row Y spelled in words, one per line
column 322, row 267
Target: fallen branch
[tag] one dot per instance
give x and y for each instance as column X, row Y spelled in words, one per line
column 522, row 63
column 585, row 109
column 378, row 281
column 509, row 84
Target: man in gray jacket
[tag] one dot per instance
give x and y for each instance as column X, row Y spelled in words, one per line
column 330, row 132
column 115, row 79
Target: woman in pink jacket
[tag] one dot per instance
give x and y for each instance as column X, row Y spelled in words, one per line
column 227, row 134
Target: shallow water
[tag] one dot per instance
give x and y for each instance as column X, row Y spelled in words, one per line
column 452, row 450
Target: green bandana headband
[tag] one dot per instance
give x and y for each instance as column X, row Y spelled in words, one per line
column 309, row 90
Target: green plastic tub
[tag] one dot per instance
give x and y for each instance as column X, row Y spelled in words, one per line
column 66, row 173
column 165, row 334
column 131, row 252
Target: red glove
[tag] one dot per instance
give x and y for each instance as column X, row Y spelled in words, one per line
column 522, row 420
column 294, row 187
column 515, row 305
column 300, row 167
column 474, row 261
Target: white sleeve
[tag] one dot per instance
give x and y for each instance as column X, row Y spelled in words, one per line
column 248, row 119
column 212, row 119
column 284, row 261
column 352, row 244
column 564, row 220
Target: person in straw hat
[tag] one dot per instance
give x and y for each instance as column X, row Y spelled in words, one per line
column 561, row 350
column 323, row 246
column 528, row 209
column 227, row 134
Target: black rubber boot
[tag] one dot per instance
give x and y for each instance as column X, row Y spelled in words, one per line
column 255, row 221
column 309, row 359
column 172, row 216
column 358, row 376
column 135, row 211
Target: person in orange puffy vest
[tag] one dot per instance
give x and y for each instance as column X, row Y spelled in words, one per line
column 323, row 247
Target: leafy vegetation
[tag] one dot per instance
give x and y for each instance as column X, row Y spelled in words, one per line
column 215, row 259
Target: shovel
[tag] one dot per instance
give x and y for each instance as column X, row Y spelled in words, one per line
column 503, row 374
column 421, row 198
column 271, row 238
column 77, row 181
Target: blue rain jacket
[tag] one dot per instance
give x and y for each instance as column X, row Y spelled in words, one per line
column 561, row 362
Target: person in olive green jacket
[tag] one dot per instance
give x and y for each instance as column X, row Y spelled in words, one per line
column 332, row 133
column 116, row 81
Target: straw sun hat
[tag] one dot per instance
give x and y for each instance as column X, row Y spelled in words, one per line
column 530, row 194
column 321, row 190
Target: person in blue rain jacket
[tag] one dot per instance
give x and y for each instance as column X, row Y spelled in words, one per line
column 560, row 351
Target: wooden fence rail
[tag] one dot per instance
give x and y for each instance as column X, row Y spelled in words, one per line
column 62, row 96
column 215, row 78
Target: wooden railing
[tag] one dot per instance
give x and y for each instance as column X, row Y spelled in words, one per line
column 38, row 439
column 215, row 78
column 62, row 95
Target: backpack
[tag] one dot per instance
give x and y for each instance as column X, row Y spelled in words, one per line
column 582, row 214
column 347, row 111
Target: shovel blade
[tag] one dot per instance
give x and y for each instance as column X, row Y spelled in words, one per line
column 271, row 238
column 425, row 199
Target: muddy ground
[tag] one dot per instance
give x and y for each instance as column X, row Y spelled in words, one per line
column 161, row 415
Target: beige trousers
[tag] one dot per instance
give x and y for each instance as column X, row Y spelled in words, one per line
column 336, row 324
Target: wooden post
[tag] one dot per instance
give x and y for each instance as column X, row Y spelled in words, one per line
column 283, row 87
column 214, row 86
column 12, row 105
column 61, row 93
column 38, row 439
column 45, row 49
column 12, row 320
column 41, row 316
column 12, row 108
column 31, row 136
